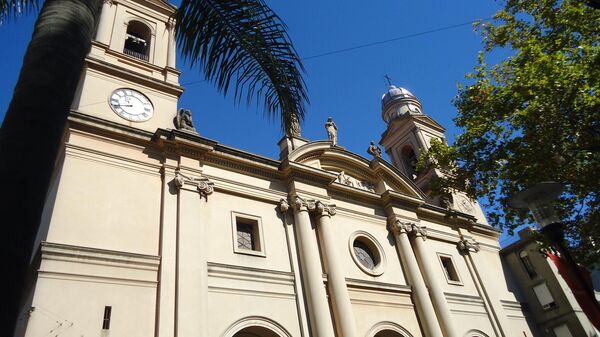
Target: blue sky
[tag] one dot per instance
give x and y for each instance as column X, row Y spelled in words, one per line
column 346, row 86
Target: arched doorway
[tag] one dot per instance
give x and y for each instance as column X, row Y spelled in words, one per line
column 388, row 333
column 256, row 326
column 255, row 331
column 388, row 329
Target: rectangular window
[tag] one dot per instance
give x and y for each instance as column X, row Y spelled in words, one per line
column 526, row 261
column 106, row 319
column 544, row 296
column 247, row 234
column 449, row 269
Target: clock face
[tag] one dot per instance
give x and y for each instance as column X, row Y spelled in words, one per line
column 464, row 205
column 131, row 105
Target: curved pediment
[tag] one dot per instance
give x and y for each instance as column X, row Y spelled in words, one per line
column 355, row 171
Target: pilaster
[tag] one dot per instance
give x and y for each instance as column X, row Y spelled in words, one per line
column 469, row 249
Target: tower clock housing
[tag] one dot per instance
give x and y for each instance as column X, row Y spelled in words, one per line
column 130, row 76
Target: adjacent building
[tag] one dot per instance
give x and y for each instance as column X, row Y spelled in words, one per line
column 552, row 304
column 152, row 230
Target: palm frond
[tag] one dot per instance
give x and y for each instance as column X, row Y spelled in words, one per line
column 10, row 9
column 244, row 43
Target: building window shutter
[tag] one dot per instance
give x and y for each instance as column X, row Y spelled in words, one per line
column 562, row 331
column 544, row 296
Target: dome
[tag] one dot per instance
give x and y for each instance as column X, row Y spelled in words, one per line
column 397, row 102
column 395, row 93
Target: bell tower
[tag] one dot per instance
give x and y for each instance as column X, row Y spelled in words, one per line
column 409, row 132
column 130, row 76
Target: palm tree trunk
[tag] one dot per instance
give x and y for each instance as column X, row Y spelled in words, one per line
column 30, row 136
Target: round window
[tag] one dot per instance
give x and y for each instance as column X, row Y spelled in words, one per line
column 364, row 254
column 367, row 253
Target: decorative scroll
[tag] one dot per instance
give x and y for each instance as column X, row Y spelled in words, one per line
column 203, row 185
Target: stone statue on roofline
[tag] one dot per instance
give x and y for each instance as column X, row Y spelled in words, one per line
column 183, row 121
column 374, row 150
column 294, row 129
column 332, row 131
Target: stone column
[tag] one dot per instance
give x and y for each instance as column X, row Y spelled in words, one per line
column 432, row 279
column 312, row 273
column 468, row 249
column 336, row 282
column 425, row 310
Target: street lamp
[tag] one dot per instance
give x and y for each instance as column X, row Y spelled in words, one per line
column 538, row 199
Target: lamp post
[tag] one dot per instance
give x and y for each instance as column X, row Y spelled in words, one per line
column 538, row 199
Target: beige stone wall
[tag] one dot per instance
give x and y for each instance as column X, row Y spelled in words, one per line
column 142, row 218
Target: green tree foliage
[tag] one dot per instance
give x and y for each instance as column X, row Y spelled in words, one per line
column 533, row 117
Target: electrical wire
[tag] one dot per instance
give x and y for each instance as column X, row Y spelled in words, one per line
column 376, row 43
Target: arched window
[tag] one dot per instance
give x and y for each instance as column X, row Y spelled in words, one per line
column 527, row 264
column 137, row 41
column 409, row 158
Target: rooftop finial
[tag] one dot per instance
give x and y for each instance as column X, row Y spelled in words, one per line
column 388, row 79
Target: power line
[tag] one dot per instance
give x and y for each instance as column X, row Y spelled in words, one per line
column 376, row 43
column 435, row 30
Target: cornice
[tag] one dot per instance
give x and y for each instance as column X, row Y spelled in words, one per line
column 393, row 198
column 89, row 255
column 163, row 7
column 297, row 171
column 127, row 74
column 182, row 143
column 246, row 190
column 101, row 126
column 379, row 287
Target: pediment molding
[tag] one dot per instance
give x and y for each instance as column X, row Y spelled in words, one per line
column 352, row 170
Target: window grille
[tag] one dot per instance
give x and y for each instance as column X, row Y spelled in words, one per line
column 364, row 254
column 245, row 236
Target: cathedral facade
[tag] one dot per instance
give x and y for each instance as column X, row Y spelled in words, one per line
column 152, row 230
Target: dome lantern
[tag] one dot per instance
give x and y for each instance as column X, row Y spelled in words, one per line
column 397, row 102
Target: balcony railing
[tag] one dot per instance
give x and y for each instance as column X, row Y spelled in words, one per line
column 136, row 54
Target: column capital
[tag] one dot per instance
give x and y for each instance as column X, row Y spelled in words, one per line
column 467, row 246
column 324, row 209
column 203, row 185
column 283, row 205
column 301, row 204
column 400, row 227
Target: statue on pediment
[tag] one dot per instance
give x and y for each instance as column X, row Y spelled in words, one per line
column 374, row 150
column 332, row 131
